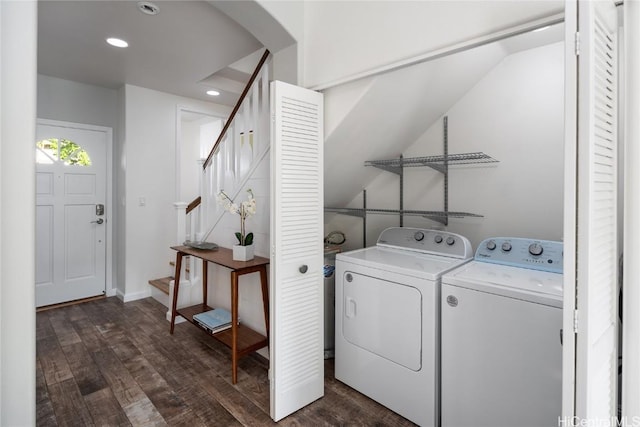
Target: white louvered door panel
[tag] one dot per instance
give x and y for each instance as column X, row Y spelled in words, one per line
column 297, row 229
column 597, row 186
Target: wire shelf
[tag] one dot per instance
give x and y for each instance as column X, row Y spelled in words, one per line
column 361, row 212
column 451, row 159
column 439, row 163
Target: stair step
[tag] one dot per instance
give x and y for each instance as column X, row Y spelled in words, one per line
column 162, row 283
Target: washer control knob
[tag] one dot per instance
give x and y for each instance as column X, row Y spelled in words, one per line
column 438, row 239
column 419, row 235
column 535, row 249
column 491, row 245
column 450, row 240
column 506, row 246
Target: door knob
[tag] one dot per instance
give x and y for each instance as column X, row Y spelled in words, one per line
column 303, row 269
column 98, row 221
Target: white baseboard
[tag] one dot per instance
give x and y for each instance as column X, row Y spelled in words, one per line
column 133, row 296
column 111, row 292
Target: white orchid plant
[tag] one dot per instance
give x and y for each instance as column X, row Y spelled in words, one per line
column 245, row 210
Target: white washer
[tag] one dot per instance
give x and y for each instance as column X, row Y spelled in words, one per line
column 387, row 318
column 502, row 336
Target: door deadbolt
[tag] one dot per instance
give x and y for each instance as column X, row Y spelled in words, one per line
column 99, row 210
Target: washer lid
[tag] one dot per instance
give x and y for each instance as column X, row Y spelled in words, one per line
column 400, row 261
column 521, row 283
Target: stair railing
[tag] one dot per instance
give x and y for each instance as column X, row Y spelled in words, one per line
column 243, row 95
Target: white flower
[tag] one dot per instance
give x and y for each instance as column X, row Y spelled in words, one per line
column 245, row 210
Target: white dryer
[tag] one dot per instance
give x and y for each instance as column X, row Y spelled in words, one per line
column 387, row 318
column 502, row 336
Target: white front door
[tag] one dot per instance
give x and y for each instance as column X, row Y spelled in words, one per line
column 70, row 212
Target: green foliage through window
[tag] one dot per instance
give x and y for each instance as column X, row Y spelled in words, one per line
column 67, row 151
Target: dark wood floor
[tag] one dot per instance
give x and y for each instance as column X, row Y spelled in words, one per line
column 106, row 363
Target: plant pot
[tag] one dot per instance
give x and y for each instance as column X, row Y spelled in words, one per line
column 242, row 253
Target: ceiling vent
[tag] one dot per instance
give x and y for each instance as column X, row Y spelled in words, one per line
column 148, row 8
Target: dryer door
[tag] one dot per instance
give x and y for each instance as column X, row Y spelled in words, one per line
column 384, row 318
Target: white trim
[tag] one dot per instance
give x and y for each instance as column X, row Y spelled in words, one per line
column 108, row 285
column 570, row 216
column 439, row 53
column 134, row 296
column 631, row 276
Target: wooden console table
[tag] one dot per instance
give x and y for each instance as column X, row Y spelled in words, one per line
column 241, row 339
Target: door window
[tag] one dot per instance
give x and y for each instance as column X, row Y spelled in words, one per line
column 52, row 150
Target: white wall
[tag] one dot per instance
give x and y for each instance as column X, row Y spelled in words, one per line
column 149, row 153
column 70, row 101
column 514, row 114
column 278, row 25
column 343, row 38
column 18, row 42
column 288, row 63
column 189, row 171
column 197, row 136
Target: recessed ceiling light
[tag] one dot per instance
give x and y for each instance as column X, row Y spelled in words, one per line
column 541, row 29
column 117, row 42
column 148, row 8
column 213, row 92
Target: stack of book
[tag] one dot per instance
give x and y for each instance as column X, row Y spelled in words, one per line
column 215, row 320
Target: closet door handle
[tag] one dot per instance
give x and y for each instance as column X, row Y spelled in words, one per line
column 303, row 269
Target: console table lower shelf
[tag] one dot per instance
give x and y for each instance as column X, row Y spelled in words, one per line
column 247, row 339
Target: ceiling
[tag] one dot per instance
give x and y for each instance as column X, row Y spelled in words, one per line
column 186, row 49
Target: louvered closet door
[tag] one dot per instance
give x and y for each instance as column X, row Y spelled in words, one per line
column 297, row 229
column 596, row 257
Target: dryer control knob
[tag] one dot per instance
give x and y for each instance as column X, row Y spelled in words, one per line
column 506, row 246
column 450, row 240
column 535, row 249
column 438, row 239
column 419, row 235
column 491, row 245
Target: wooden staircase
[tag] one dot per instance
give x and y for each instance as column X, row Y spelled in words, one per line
column 162, row 284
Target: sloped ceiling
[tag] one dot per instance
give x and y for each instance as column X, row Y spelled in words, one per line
column 380, row 117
